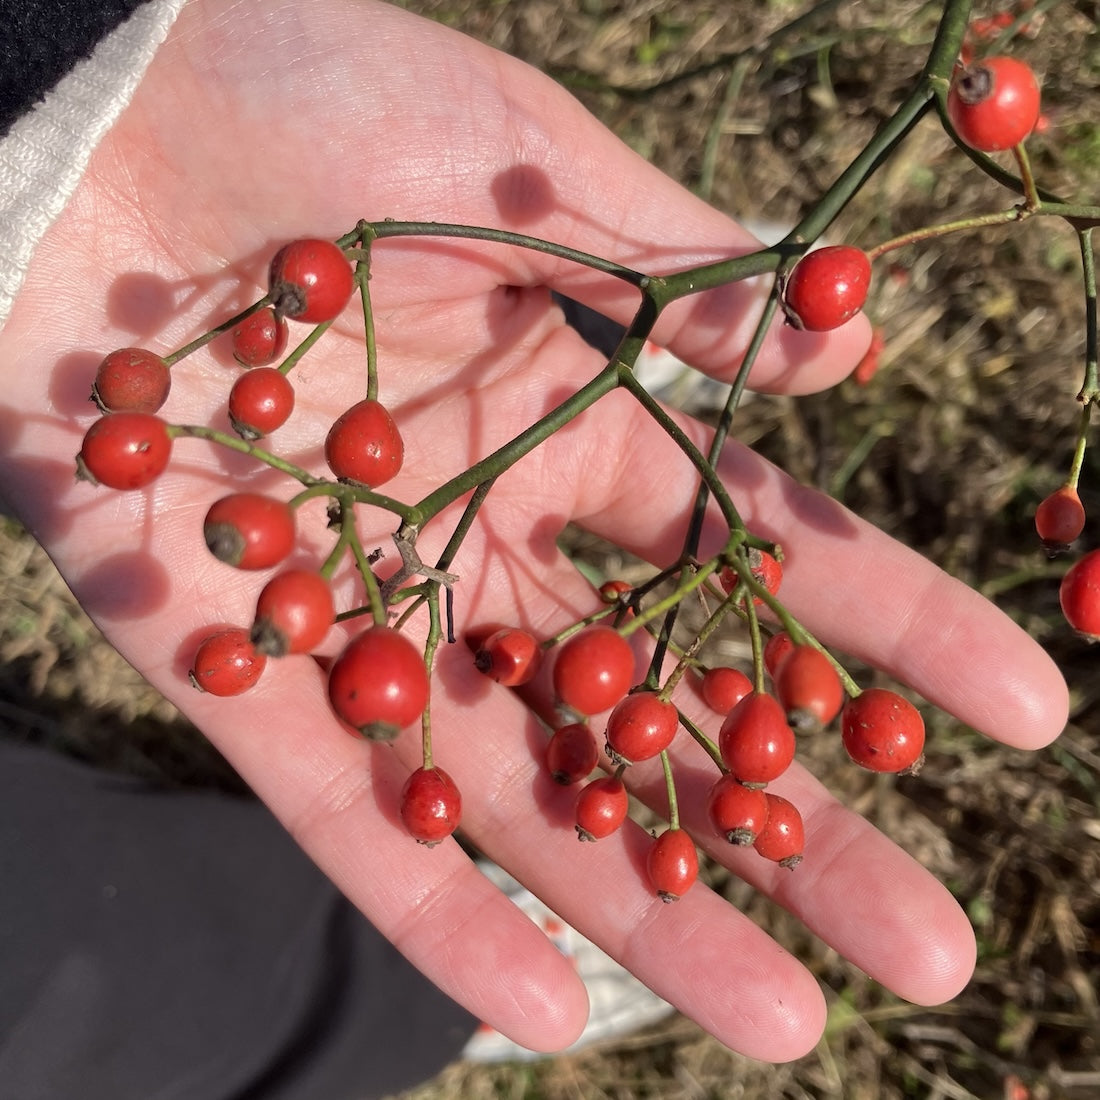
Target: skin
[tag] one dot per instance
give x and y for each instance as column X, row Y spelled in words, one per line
column 257, row 123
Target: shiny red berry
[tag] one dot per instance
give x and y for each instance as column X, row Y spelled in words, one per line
column 809, row 688
column 1060, row 518
column 782, row 839
column 365, row 446
column 260, row 339
column 724, row 687
column 250, row 530
column 827, row 287
column 310, row 280
column 226, row 663
column 379, row 683
column 756, row 743
column 294, row 612
column 593, row 670
column 510, row 656
column 882, row 731
column 125, row 450
column 765, row 569
column 131, row 380
column 775, row 650
column 572, row 753
column 1080, row 595
column 260, row 402
column 431, row 805
column 993, row 104
column 601, row 808
column 672, row 864
column 640, row 727
column 735, row 811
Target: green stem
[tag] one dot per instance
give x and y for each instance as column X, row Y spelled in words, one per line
column 1090, row 389
column 243, row 446
column 434, row 634
column 670, row 790
column 362, row 278
column 702, row 740
column 295, row 356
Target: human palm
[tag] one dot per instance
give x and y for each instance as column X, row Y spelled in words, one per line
column 259, row 122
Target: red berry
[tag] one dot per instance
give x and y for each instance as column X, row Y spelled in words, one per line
column 640, row 727
column 572, row 753
column 431, row 805
column 765, row 569
column 827, row 287
column 777, row 647
column 379, row 683
column 131, row 380
column 755, row 741
column 783, row 837
column 1060, row 518
column 125, row 450
column 882, row 731
column 260, row 401
column 809, row 688
column 510, row 656
column 613, row 591
column 1080, row 595
column 226, row 663
column 993, row 104
column 672, row 864
column 364, row 445
column 602, row 805
column 593, row 670
column 294, row 612
column 260, row 338
column 735, row 811
column 310, row 280
column 250, row 530
column 723, row 688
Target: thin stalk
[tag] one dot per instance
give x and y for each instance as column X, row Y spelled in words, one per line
column 295, row 356
column 434, row 634
column 1090, row 389
column 243, row 446
column 362, row 277
column 670, row 790
column 225, row 326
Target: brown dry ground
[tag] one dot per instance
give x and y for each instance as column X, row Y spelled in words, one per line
column 967, row 425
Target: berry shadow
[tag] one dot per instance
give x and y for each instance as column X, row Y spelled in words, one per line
column 70, row 387
column 124, row 586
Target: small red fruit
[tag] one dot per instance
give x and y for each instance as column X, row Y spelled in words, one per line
column 572, row 753
column 640, row 727
column 1080, row 595
column 735, row 811
column 1060, row 518
column 723, row 688
column 226, row 663
column 602, row 806
column 310, row 280
column 250, row 530
column 882, row 731
column 125, row 450
column 764, row 567
column 431, row 805
column 593, row 670
column 260, row 401
column 131, row 380
column 260, row 338
column 809, row 688
column 993, row 104
column 756, row 743
column 672, row 864
column 777, row 647
column 782, row 839
column 364, row 445
column 827, row 287
column 379, row 683
column 510, row 656
column 294, row 612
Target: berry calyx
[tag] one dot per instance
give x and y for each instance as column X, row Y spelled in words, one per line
column 131, row 380
column 260, row 339
column 783, row 838
column 572, row 753
column 1060, row 519
column 593, row 670
column 309, row 280
column 993, row 104
column 807, row 685
column 250, row 530
column 640, row 727
column 601, row 808
column 364, row 445
column 431, row 805
column 260, row 401
column 672, row 864
column 125, row 450
column 827, row 287
column 756, row 743
column 735, row 811
column 510, row 656
column 226, row 663
column 294, row 612
column 724, row 687
column 1079, row 594
column 883, row 732
column 378, row 685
